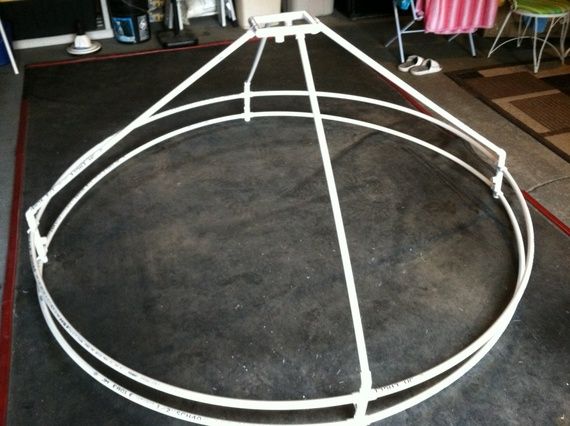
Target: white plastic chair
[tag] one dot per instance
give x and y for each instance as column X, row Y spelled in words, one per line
column 556, row 13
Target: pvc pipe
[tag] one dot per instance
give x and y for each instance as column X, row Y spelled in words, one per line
column 365, row 374
column 229, row 402
column 447, row 371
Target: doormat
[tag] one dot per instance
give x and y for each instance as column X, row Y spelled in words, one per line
column 537, row 103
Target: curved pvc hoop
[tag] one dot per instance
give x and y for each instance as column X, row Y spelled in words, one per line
column 469, row 356
column 239, row 403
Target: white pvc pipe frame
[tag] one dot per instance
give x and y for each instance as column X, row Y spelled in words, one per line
column 447, row 371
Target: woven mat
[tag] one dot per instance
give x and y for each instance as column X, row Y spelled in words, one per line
column 538, row 103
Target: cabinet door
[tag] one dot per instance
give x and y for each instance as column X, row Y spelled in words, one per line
column 45, row 18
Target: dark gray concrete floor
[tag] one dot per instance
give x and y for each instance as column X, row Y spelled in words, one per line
column 536, row 168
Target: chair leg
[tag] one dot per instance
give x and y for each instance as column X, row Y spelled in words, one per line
column 398, row 32
column 493, row 48
column 472, row 45
column 563, row 35
column 521, row 32
column 534, row 40
column 471, row 42
column 553, row 23
column 8, row 48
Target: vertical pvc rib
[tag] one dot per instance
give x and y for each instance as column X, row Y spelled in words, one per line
column 247, row 83
column 366, row 377
column 257, row 59
column 534, row 40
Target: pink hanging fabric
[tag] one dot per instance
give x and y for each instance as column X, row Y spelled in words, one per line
column 457, row 16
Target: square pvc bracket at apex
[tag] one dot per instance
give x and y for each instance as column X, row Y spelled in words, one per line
column 284, row 24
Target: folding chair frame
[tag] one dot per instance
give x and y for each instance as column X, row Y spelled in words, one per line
column 416, row 17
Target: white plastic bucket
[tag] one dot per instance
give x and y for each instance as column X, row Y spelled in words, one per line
column 314, row 7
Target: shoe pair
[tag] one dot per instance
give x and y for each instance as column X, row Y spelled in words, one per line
column 417, row 65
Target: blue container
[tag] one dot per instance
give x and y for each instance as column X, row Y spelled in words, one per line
column 131, row 29
column 130, row 20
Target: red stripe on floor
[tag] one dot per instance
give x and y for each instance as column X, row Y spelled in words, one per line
column 409, row 98
column 546, row 213
column 11, row 266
